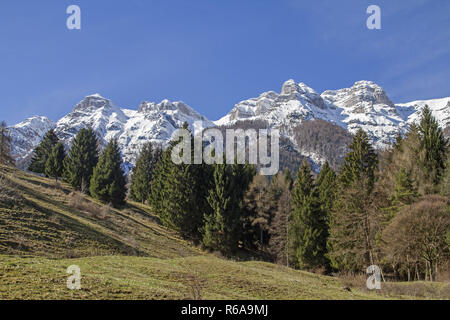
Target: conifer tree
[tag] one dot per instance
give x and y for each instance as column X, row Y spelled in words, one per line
column 434, row 144
column 404, row 191
column 143, row 172
column 42, row 152
column 326, row 186
column 5, row 146
column 54, row 166
column 360, row 162
column 81, row 160
column 353, row 222
column 178, row 193
column 108, row 180
column 308, row 227
column 223, row 226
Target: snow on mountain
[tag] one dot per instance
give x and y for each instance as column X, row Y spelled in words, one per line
column 439, row 107
column 27, row 134
column 132, row 128
column 295, row 103
column 364, row 105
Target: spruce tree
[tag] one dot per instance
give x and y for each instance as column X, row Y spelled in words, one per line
column 353, row 222
column 5, row 146
column 434, row 144
column 326, row 186
column 143, row 172
column 360, row 162
column 108, row 182
column 308, row 225
column 54, row 166
column 223, row 227
column 178, row 193
column 404, row 192
column 42, row 152
column 81, row 160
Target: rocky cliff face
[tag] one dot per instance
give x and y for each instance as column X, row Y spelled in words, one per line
column 27, row 134
column 364, row 105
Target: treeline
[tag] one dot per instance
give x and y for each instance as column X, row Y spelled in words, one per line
column 83, row 167
column 390, row 209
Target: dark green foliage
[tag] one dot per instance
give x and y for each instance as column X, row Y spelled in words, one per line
column 326, row 187
column 143, row 172
column 360, row 163
column 5, row 146
column 353, row 223
column 81, row 160
column 223, row 227
column 54, row 166
column 309, row 224
column 434, row 144
column 178, row 193
column 404, row 190
column 108, row 180
column 42, row 152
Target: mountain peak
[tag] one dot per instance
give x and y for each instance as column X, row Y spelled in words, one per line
column 95, row 95
column 365, row 83
column 289, row 87
column 93, row 102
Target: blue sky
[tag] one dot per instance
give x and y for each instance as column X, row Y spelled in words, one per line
column 212, row 54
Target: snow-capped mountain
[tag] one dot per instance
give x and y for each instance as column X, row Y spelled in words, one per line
column 27, row 134
column 365, row 105
column 151, row 122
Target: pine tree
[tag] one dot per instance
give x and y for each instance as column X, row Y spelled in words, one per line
column 353, row 222
column 435, row 145
column 108, row 182
column 308, row 225
column 404, row 192
column 326, row 186
column 360, row 162
column 42, row 152
column 5, row 146
column 143, row 172
column 81, row 160
column 223, row 227
column 178, row 193
column 54, row 166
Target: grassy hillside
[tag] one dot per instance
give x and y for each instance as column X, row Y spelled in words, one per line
column 126, row 254
column 44, row 218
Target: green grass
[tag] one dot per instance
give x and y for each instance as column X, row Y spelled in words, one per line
column 124, row 277
column 126, row 254
column 42, row 220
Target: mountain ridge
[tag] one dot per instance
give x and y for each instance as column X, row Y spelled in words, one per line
column 364, row 105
